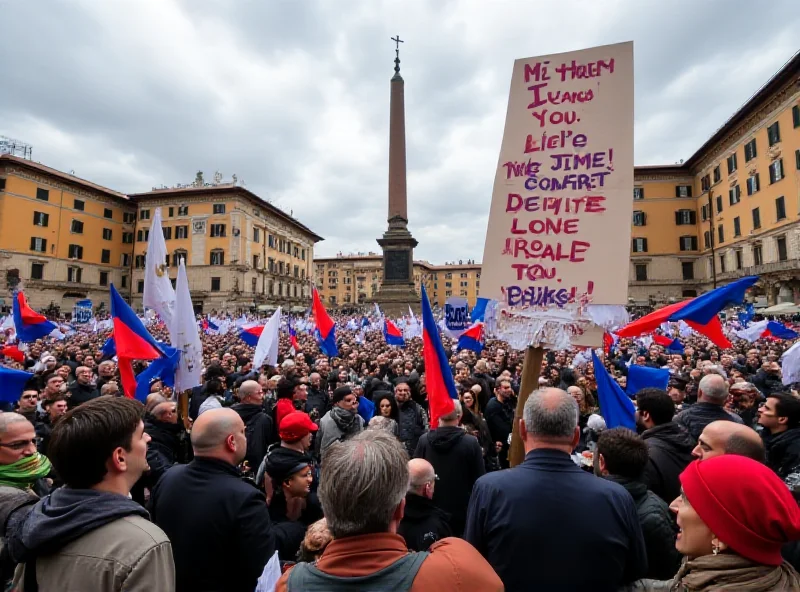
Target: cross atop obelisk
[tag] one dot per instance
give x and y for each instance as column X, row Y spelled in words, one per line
column 397, row 289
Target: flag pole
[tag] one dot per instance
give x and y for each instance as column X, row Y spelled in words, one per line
column 531, row 368
column 183, row 409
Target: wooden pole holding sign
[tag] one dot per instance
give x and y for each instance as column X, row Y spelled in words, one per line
column 531, row 368
column 183, row 410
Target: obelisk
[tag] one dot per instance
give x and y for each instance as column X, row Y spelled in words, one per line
column 397, row 292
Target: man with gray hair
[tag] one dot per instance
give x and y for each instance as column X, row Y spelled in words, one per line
column 529, row 521
column 258, row 424
column 362, row 489
column 457, row 457
column 712, row 393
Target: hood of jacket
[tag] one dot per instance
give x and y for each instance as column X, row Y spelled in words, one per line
column 163, row 432
column 247, row 411
column 283, row 462
column 346, row 421
column 671, row 434
column 446, row 437
column 65, row 515
column 419, row 508
column 637, row 489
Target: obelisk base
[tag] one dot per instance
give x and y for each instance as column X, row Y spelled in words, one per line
column 397, row 292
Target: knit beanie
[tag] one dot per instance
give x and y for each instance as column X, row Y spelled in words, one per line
column 340, row 393
column 745, row 504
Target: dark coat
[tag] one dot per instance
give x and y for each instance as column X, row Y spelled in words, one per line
column 487, row 388
column 768, row 383
column 259, row 432
column 500, row 417
column 218, row 524
column 319, row 400
column 669, row 448
column 457, row 459
column 196, row 398
column 423, row 523
column 783, row 457
column 79, row 393
column 548, row 525
column 164, row 446
column 699, row 415
column 658, row 528
column 411, row 424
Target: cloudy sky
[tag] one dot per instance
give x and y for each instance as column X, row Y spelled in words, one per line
column 293, row 96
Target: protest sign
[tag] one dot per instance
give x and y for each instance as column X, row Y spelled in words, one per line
column 456, row 314
column 558, row 239
column 83, row 311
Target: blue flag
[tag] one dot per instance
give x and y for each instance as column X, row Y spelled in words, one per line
column 479, row 312
column 12, row 383
column 640, row 377
column 162, row 368
column 748, row 314
column 616, row 407
column 703, row 308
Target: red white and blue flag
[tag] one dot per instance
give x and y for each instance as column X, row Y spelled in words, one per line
column 29, row 324
column 393, row 335
column 250, row 334
column 293, row 338
column 438, row 375
column 472, row 338
column 326, row 328
column 672, row 345
column 765, row 329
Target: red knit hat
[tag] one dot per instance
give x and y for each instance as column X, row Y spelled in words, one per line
column 296, row 425
column 745, row 504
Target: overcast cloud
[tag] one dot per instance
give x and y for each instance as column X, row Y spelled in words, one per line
column 293, row 96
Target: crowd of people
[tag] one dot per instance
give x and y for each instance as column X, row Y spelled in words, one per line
column 327, row 471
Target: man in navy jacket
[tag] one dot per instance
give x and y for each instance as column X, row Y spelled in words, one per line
column 547, row 524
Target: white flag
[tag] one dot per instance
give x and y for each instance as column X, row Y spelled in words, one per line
column 791, row 364
column 753, row 332
column 186, row 336
column 267, row 347
column 158, row 292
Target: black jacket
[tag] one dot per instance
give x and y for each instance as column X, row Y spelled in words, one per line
column 487, row 388
column 164, row 446
column 669, row 447
column 319, row 400
column 258, row 429
column 411, row 424
column 457, row 459
column 500, row 417
column 423, row 523
column 658, row 528
column 196, row 398
column 79, row 393
column 699, row 415
column 783, row 457
column 548, row 525
column 218, row 524
column 768, row 383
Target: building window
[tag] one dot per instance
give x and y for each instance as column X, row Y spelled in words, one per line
column 780, row 209
column 108, row 213
column 303, row 253
column 215, row 284
column 796, row 116
column 639, row 245
column 37, row 271
column 753, row 184
column 181, row 232
column 255, row 261
column 107, row 234
column 105, row 256
column 756, row 219
column 256, row 235
column 797, row 159
column 217, row 257
column 219, row 208
column 177, row 256
column 732, row 166
column 297, row 272
column 124, row 281
column 139, row 261
column 722, row 263
column 776, row 171
column 639, row 218
column 125, row 260
column 127, row 238
column 719, row 204
column 738, row 254
column 757, row 257
column 737, row 227
column 75, row 252
column 43, row 194
column 2, row 184
column 128, row 217
column 720, row 234
column 641, row 271
column 271, row 241
column 217, row 230
column 780, row 242
column 683, row 191
column 774, row 134
column 706, row 239
column 638, row 193
column 74, row 274
column 79, row 204
column 687, row 268
column 750, row 150
column 183, row 210
column 103, row 278
column 735, row 194
column 142, row 235
column 167, row 231
column 688, row 243
column 140, row 287
column 144, row 214
column 717, row 174
column 40, row 219
column 705, row 183
column 171, row 212
column 76, row 227
column 254, row 284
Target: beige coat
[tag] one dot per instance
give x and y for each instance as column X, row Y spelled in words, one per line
column 130, row 554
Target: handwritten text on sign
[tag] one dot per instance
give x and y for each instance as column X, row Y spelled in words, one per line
column 559, row 224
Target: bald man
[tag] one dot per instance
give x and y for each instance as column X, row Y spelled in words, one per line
column 710, row 406
column 259, row 425
column 423, row 522
column 218, row 523
column 727, row 437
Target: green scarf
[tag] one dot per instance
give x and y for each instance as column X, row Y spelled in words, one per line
column 25, row 471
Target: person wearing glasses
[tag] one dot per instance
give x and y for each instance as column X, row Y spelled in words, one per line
column 423, row 522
